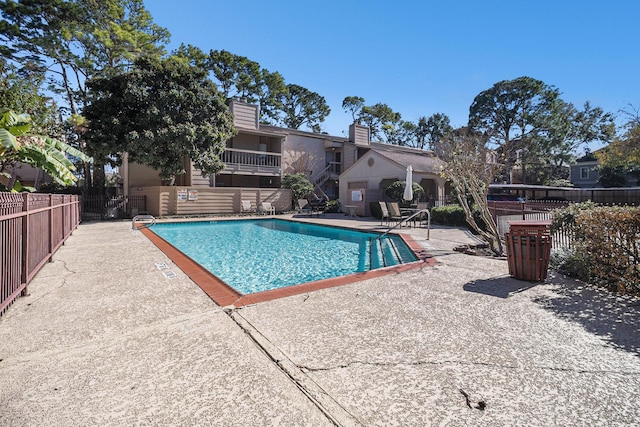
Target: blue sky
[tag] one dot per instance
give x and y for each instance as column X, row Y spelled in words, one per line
column 423, row 57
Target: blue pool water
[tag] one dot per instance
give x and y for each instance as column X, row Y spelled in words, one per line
column 258, row 255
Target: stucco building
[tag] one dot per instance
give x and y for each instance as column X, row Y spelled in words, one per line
column 260, row 155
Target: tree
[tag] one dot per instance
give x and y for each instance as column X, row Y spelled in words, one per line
column 377, row 117
column 430, row 131
column 300, row 106
column 18, row 145
column 353, row 105
column 23, row 92
column 160, row 112
column 512, row 114
column 72, row 41
column 565, row 130
column 301, row 160
column 299, row 185
column 469, row 166
column 623, row 154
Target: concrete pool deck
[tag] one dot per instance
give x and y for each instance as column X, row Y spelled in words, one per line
column 106, row 337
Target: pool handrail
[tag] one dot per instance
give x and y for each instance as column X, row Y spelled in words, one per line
column 410, row 217
column 139, row 219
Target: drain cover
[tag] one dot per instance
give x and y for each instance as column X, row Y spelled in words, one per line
column 169, row 274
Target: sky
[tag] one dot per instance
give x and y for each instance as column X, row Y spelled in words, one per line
column 423, row 57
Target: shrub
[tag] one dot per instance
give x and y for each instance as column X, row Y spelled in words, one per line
column 376, row 212
column 606, row 248
column 333, row 206
column 612, row 245
column 396, row 190
column 455, row 215
column 299, row 185
column 449, row 215
column 572, row 262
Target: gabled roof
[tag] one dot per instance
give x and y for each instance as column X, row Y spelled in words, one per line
column 420, row 160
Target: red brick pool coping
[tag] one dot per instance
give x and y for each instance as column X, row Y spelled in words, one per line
column 224, row 295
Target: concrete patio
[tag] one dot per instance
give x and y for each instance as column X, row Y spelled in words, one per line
column 105, row 338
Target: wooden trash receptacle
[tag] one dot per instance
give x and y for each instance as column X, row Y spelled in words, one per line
column 529, row 249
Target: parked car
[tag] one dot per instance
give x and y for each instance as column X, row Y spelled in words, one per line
column 504, row 198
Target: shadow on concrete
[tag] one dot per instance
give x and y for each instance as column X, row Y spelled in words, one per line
column 500, row 287
column 613, row 317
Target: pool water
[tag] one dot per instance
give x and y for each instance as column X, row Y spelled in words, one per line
column 258, row 255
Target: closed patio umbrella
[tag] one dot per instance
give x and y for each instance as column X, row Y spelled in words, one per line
column 408, row 188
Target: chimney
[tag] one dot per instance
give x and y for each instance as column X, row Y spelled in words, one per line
column 359, row 134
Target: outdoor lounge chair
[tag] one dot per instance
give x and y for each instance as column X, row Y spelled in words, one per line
column 385, row 213
column 247, row 207
column 267, row 209
column 304, row 207
column 394, row 212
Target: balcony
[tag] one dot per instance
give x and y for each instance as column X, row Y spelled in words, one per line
column 249, row 162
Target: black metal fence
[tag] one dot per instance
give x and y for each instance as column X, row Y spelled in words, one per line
column 100, row 207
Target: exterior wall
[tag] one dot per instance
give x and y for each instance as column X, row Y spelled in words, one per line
column 592, row 178
column 163, row 200
column 143, row 176
column 349, row 155
column 297, row 145
column 372, row 169
column 28, row 175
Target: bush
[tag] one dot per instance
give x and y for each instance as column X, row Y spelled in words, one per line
column 612, row 245
column 299, row 185
column 376, row 212
column 449, row 215
column 396, row 190
column 572, row 262
column 606, row 248
column 455, row 215
column 333, row 206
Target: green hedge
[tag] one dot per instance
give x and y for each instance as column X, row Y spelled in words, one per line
column 606, row 249
column 449, row 215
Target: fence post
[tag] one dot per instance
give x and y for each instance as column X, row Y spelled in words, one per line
column 51, row 227
column 24, row 274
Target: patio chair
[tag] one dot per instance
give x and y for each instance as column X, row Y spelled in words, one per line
column 385, row 213
column 394, row 212
column 267, row 209
column 247, row 207
column 304, row 207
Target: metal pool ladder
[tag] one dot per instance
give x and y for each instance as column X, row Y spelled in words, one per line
column 144, row 220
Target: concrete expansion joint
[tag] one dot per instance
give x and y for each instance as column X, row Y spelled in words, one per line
column 333, row 410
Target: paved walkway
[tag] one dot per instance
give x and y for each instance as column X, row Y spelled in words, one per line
column 106, row 339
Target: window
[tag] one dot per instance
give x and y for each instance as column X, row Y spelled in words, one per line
column 584, row 173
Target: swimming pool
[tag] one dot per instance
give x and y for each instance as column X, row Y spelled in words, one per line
column 264, row 254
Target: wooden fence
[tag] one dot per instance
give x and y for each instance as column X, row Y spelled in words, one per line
column 32, row 228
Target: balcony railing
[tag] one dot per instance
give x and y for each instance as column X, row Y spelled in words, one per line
column 251, row 161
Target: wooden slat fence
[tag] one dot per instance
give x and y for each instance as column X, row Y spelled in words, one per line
column 32, row 228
